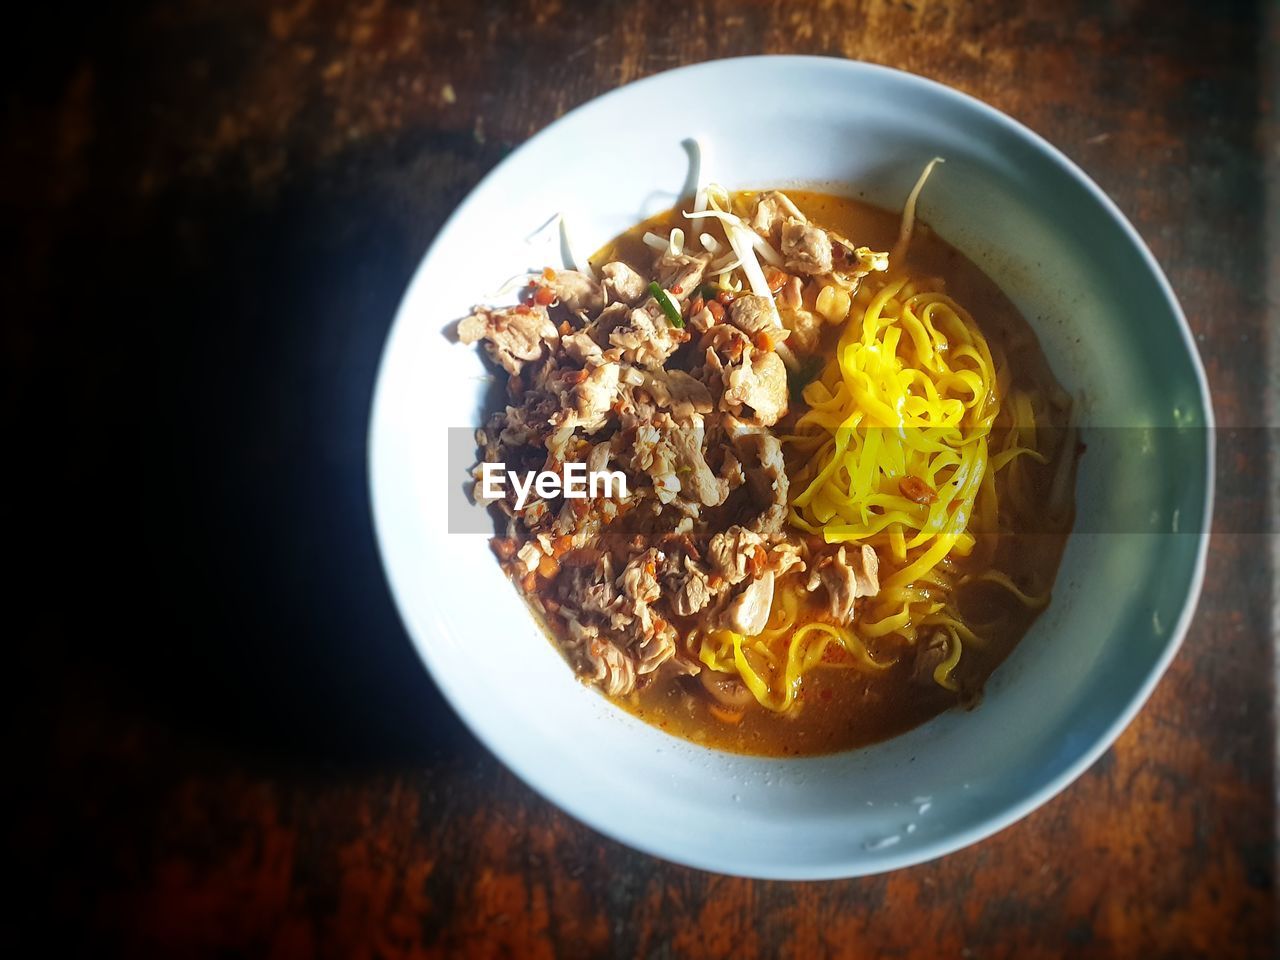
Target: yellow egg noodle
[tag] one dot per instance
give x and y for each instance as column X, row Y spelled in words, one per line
column 907, row 428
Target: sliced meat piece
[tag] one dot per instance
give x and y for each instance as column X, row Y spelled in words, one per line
column 805, row 328
column 866, row 570
column 586, row 399
column 731, row 471
column 702, row 321
column 577, row 291
column 847, row 577
column 608, row 667
column 680, row 273
column 598, row 459
column 752, row 315
column 755, row 388
column 513, row 429
column 647, row 337
column 784, row 556
column 767, row 480
column 593, row 398
column 854, row 261
column 589, row 590
column 694, row 591
column 723, row 338
column 673, row 454
column 640, row 591
column 512, row 337
column 568, row 523
column 711, row 372
column 773, row 209
column 678, row 392
column 611, row 317
column 656, row 648
column 546, row 378
column 696, row 477
column 652, row 453
column 806, row 247
column 529, row 555
column 639, row 578
column 580, row 347
column 730, row 552
column 622, row 283
column 748, row 611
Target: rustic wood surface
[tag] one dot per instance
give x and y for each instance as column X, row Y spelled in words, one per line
column 223, row 743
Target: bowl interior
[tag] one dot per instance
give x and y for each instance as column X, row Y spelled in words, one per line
column 1114, row 336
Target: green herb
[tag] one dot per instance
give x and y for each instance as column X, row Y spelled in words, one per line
column 669, row 306
column 708, row 291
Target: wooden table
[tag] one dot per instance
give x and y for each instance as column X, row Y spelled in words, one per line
column 225, row 743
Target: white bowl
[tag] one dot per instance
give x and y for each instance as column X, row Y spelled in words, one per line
column 1109, row 323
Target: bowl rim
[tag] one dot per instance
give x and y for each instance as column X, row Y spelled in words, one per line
column 1000, row 817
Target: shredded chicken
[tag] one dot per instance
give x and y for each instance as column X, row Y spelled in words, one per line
column 846, row 579
column 689, row 409
column 701, row 320
column 756, row 388
column 511, row 337
column 593, row 397
column 748, row 612
column 773, row 209
column 612, row 669
column 695, row 476
column 730, row 552
column 806, row 247
column 678, row 391
column 622, row 283
column 657, row 647
column 694, row 591
column 804, row 326
column 646, row 338
column 751, row 314
column 766, row 473
column 577, row 291
column 640, row 578
column 680, row 273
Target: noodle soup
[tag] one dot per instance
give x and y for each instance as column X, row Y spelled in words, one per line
column 840, row 705
column 850, row 466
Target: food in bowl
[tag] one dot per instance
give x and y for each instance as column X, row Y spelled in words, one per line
column 845, row 469
column 1123, row 595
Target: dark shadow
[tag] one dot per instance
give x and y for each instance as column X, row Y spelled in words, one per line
column 212, row 392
